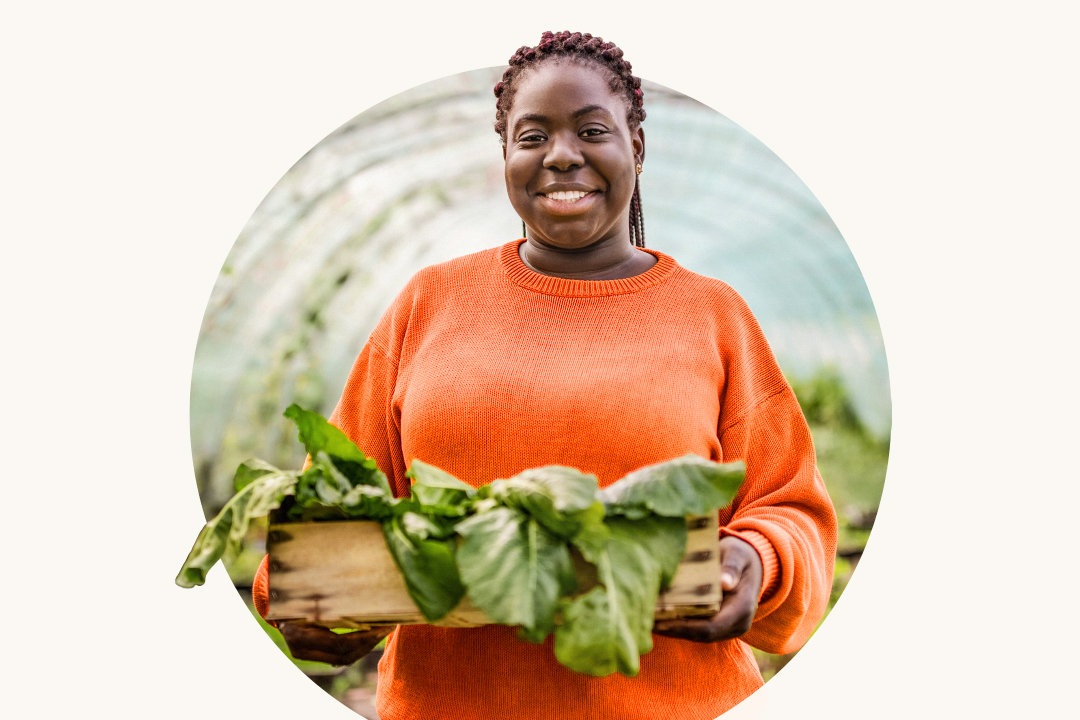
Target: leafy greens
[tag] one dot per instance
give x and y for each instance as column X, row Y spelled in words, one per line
column 511, row 545
column 341, row 484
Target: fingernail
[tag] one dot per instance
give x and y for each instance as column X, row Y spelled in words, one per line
column 727, row 579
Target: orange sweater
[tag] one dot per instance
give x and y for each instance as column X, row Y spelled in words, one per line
column 485, row 368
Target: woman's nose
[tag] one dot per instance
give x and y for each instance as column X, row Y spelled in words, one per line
column 563, row 152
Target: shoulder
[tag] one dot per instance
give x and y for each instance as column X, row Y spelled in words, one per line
column 449, row 275
column 710, row 300
column 436, row 286
column 750, row 367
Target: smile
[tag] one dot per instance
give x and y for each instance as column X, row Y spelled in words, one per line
column 567, row 196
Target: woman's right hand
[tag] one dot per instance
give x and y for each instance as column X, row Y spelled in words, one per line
column 307, row 641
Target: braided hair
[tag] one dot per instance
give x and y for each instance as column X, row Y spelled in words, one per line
column 579, row 48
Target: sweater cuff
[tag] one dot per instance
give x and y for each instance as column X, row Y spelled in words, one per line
column 770, row 563
column 260, row 589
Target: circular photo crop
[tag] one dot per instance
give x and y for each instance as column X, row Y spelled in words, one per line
column 419, row 181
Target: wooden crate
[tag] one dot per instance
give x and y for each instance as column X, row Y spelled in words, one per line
column 340, row 575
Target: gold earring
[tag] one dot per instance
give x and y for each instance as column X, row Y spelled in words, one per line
column 639, row 169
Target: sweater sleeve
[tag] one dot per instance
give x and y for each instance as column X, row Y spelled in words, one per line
column 784, row 511
column 366, row 415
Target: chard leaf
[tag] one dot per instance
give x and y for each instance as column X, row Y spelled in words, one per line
column 427, row 565
column 324, row 493
column 319, row 436
column 250, row 470
column 437, row 491
column 608, row 628
column 594, row 638
column 592, row 531
column 555, row 496
column 515, row 570
column 369, row 503
column 666, row 538
column 689, row 485
column 226, row 531
column 424, row 527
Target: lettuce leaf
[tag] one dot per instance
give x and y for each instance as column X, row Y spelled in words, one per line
column 608, row 628
column 554, row 496
column 319, row 436
column 438, row 492
column 515, row 570
column 263, row 487
column 324, row 492
column 426, row 562
column 689, row 485
column 250, row 470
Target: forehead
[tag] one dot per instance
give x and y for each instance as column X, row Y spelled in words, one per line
column 560, row 87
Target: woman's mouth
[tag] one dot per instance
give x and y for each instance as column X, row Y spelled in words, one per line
column 566, row 196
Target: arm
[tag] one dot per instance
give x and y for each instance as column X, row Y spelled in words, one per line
column 778, row 538
column 782, row 512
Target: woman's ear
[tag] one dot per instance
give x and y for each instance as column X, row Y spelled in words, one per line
column 637, row 138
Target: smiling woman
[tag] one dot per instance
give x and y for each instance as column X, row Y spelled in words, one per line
column 573, row 146
column 577, row 346
column 571, row 169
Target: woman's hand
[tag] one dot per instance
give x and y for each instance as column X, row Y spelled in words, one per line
column 740, row 581
column 314, row 642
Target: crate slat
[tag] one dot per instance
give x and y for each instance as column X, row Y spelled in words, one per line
column 340, row 575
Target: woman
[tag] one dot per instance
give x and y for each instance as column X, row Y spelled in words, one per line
column 576, row 346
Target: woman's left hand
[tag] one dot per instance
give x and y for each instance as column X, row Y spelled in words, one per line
column 740, row 582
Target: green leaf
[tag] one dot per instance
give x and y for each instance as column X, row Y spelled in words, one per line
column 427, row 565
column 595, row 638
column 369, row 503
column 555, row 496
column 593, row 532
column 318, row 435
column 423, row 527
column 515, row 570
column 666, row 538
column 250, row 470
column 689, row 485
column 226, row 531
column 438, row 492
column 608, row 628
column 323, row 493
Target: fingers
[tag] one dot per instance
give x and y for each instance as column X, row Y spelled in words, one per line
column 313, row 642
column 732, row 567
column 737, row 609
column 735, row 617
column 736, row 558
column 740, row 580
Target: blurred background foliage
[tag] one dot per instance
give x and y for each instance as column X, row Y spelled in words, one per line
column 417, row 179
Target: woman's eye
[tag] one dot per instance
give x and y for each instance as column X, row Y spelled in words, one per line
column 531, row 137
column 592, row 132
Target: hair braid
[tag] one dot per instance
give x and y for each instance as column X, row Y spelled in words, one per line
column 580, row 48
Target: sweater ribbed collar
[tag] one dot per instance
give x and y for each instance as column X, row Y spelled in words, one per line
column 522, row 275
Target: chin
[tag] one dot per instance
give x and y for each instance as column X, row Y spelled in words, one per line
column 566, row 236
column 567, row 241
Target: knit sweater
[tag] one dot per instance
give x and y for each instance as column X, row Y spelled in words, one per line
column 485, row 368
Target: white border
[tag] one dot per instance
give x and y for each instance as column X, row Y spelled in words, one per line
column 939, row 136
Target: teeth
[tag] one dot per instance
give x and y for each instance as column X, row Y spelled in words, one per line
column 567, row 196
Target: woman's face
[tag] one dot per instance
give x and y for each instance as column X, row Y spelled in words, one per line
column 570, row 156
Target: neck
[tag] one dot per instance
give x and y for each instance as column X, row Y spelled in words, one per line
column 610, row 259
